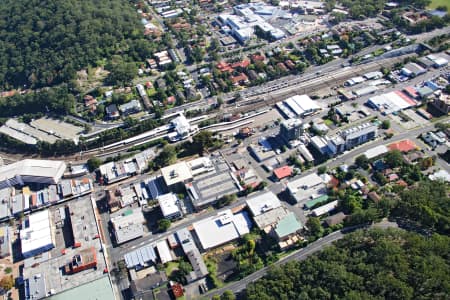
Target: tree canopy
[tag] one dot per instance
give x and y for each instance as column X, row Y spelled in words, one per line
column 44, row 43
column 377, row 264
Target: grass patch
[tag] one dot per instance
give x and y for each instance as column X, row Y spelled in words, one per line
column 328, row 122
column 211, row 265
column 171, row 266
column 151, row 92
column 378, row 52
column 436, row 3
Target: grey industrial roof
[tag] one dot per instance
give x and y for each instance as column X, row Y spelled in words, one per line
column 35, row 287
column 140, row 257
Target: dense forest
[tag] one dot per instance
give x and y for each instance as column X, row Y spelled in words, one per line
column 376, row 264
column 44, row 43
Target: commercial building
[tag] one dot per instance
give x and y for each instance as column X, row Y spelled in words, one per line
column 141, row 257
column 31, row 135
column 373, row 75
column 442, row 103
column 305, row 153
column 413, row 70
column 37, row 234
column 262, row 203
column 112, row 172
column 336, row 144
column 164, row 252
column 320, row 144
column 376, row 152
column 306, row 187
column 391, row 102
column 127, row 225
column 35, row 287
column 324, row 209
column 212, row 180
column 315, row 201
column 266, row 210
column 354, row 81
column 221, row 229
column 287, row 227
column 169, row 206
column 31, row 171
column 437, row 60
column 193, row 254
column 302, row 105
column 365, row 91
column 291, row 129
column 359, row 135
column 177, row 175
column 242, row 26
column 98, row 289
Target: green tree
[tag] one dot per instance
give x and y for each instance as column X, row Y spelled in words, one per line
column 203, row 140
column 122, row 73
column 314, row 227
column 386, row 124
column 394, row 158
column 184, row 267
column 7, row 282
column 228, row 295
column 362, row 161
column 322, row 169
column 226, row 200
column 167, row 156
column 93, row 163
column 367, row 264
column 164, row 224
column 53, row 41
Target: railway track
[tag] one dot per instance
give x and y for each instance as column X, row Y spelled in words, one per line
column 308, row 86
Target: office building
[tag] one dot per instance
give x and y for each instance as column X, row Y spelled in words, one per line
column 291, row 129
column 359, row 135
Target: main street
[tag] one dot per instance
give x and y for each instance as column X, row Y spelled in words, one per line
column 116, row 253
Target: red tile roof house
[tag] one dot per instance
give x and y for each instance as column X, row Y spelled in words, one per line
column 239, row 79
column 224, row 67
column 170, row 100
column 403, row 146
column 242, row 64
column 257, row 57
column 282, row 172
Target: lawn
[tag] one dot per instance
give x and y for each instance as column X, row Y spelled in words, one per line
column 436, row 3
column 171, row 266
column 328, row 122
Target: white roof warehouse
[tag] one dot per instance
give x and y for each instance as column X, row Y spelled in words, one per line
column 31, row 171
